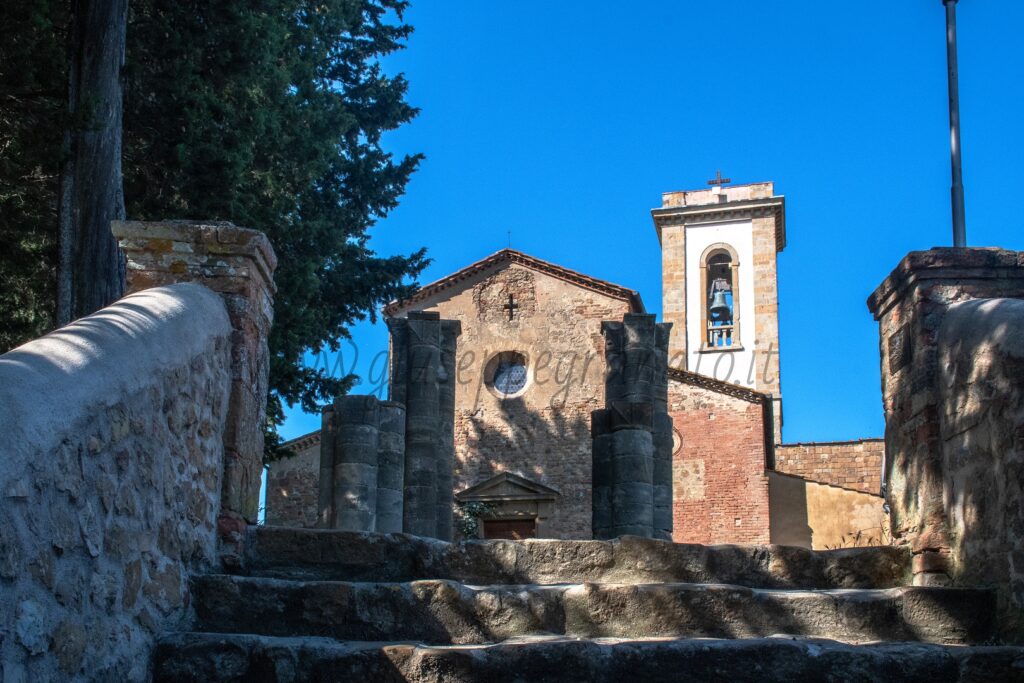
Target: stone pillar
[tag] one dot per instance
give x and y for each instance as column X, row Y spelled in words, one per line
column 328, row 433
column 355, row 455
column 390, row 467
column 423, row 357
column 625, row 448
column 238, row 264
column 910, row 307
column 632, row 460
column 663, row 442
column 450, row 331
column 662, row 436
column 601, row 478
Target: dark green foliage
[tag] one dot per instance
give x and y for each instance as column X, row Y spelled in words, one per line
column 267, row 113
column 33, row 87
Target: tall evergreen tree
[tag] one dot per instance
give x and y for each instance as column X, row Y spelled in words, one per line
column 269, row 113
column 33, row 77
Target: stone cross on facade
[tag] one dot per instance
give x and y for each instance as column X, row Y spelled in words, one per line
column 718, row 179
column 511, row 307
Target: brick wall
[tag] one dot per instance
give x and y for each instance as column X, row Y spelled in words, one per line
column 853, row 465
column 720, row 488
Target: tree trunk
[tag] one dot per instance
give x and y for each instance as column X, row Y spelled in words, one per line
column 90, row 269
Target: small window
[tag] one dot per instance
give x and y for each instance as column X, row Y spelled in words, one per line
column 507, row 374
column 720, row 269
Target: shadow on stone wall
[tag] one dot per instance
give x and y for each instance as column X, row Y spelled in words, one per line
column 981, row 418
column 550, row 446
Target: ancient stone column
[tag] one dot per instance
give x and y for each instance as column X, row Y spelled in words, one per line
column 416, row 345
column 354, row 471
column 638, row 358
column 390, row 467
column 662, row 436
column 238, row 264
column 325, row 507
column 450, row 331
column 632, row 469
column 662, row 478
column 633, row 437
column 601, row 511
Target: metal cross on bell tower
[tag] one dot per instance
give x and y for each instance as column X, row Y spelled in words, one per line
column 719, row 180
column 957, row 189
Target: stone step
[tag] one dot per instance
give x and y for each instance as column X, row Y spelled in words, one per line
column 353, row 556
column 445, row 612
column 208, row 657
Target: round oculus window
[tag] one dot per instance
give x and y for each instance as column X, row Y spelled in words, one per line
column 508, row 374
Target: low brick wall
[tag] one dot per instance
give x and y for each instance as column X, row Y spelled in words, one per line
column 110, row 472
column 853, row 465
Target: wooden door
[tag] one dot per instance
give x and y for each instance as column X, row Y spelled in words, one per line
column 513, row 529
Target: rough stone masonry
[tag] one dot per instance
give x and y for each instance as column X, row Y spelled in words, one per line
column 239, row 264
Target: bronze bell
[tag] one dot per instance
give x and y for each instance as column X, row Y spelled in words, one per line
column 719, row 306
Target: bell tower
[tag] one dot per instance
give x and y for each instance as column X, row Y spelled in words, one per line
column 720, row 283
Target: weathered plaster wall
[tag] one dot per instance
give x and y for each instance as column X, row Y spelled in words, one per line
column 544, row 433
column 110, row 472
column 821, row 517
column 981, row 404
column 292, row 485
column 849, row 464
column 720, row 489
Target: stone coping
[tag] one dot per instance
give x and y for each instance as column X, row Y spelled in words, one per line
column 945, row 263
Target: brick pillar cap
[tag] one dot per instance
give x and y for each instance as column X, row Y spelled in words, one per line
column 945, row 263
column 225, row 238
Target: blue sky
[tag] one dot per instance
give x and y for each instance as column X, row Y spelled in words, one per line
column 563, row 122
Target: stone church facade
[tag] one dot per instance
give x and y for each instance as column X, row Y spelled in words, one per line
column 530, row 370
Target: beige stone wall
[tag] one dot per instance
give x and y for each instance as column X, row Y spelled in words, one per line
column 292, row 486
column 822, row 517
column 544, row 433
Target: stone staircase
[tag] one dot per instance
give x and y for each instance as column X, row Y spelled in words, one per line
column 337, row 606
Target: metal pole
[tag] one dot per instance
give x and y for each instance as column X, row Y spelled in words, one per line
column 957, row 190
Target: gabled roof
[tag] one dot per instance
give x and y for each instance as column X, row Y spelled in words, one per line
column 512, row 256
column 717, row 386
column 507, row 486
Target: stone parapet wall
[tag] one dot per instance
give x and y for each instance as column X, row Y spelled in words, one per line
column 238, row 264
column 951, row 420
column 110, row 472
column 850, row 464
